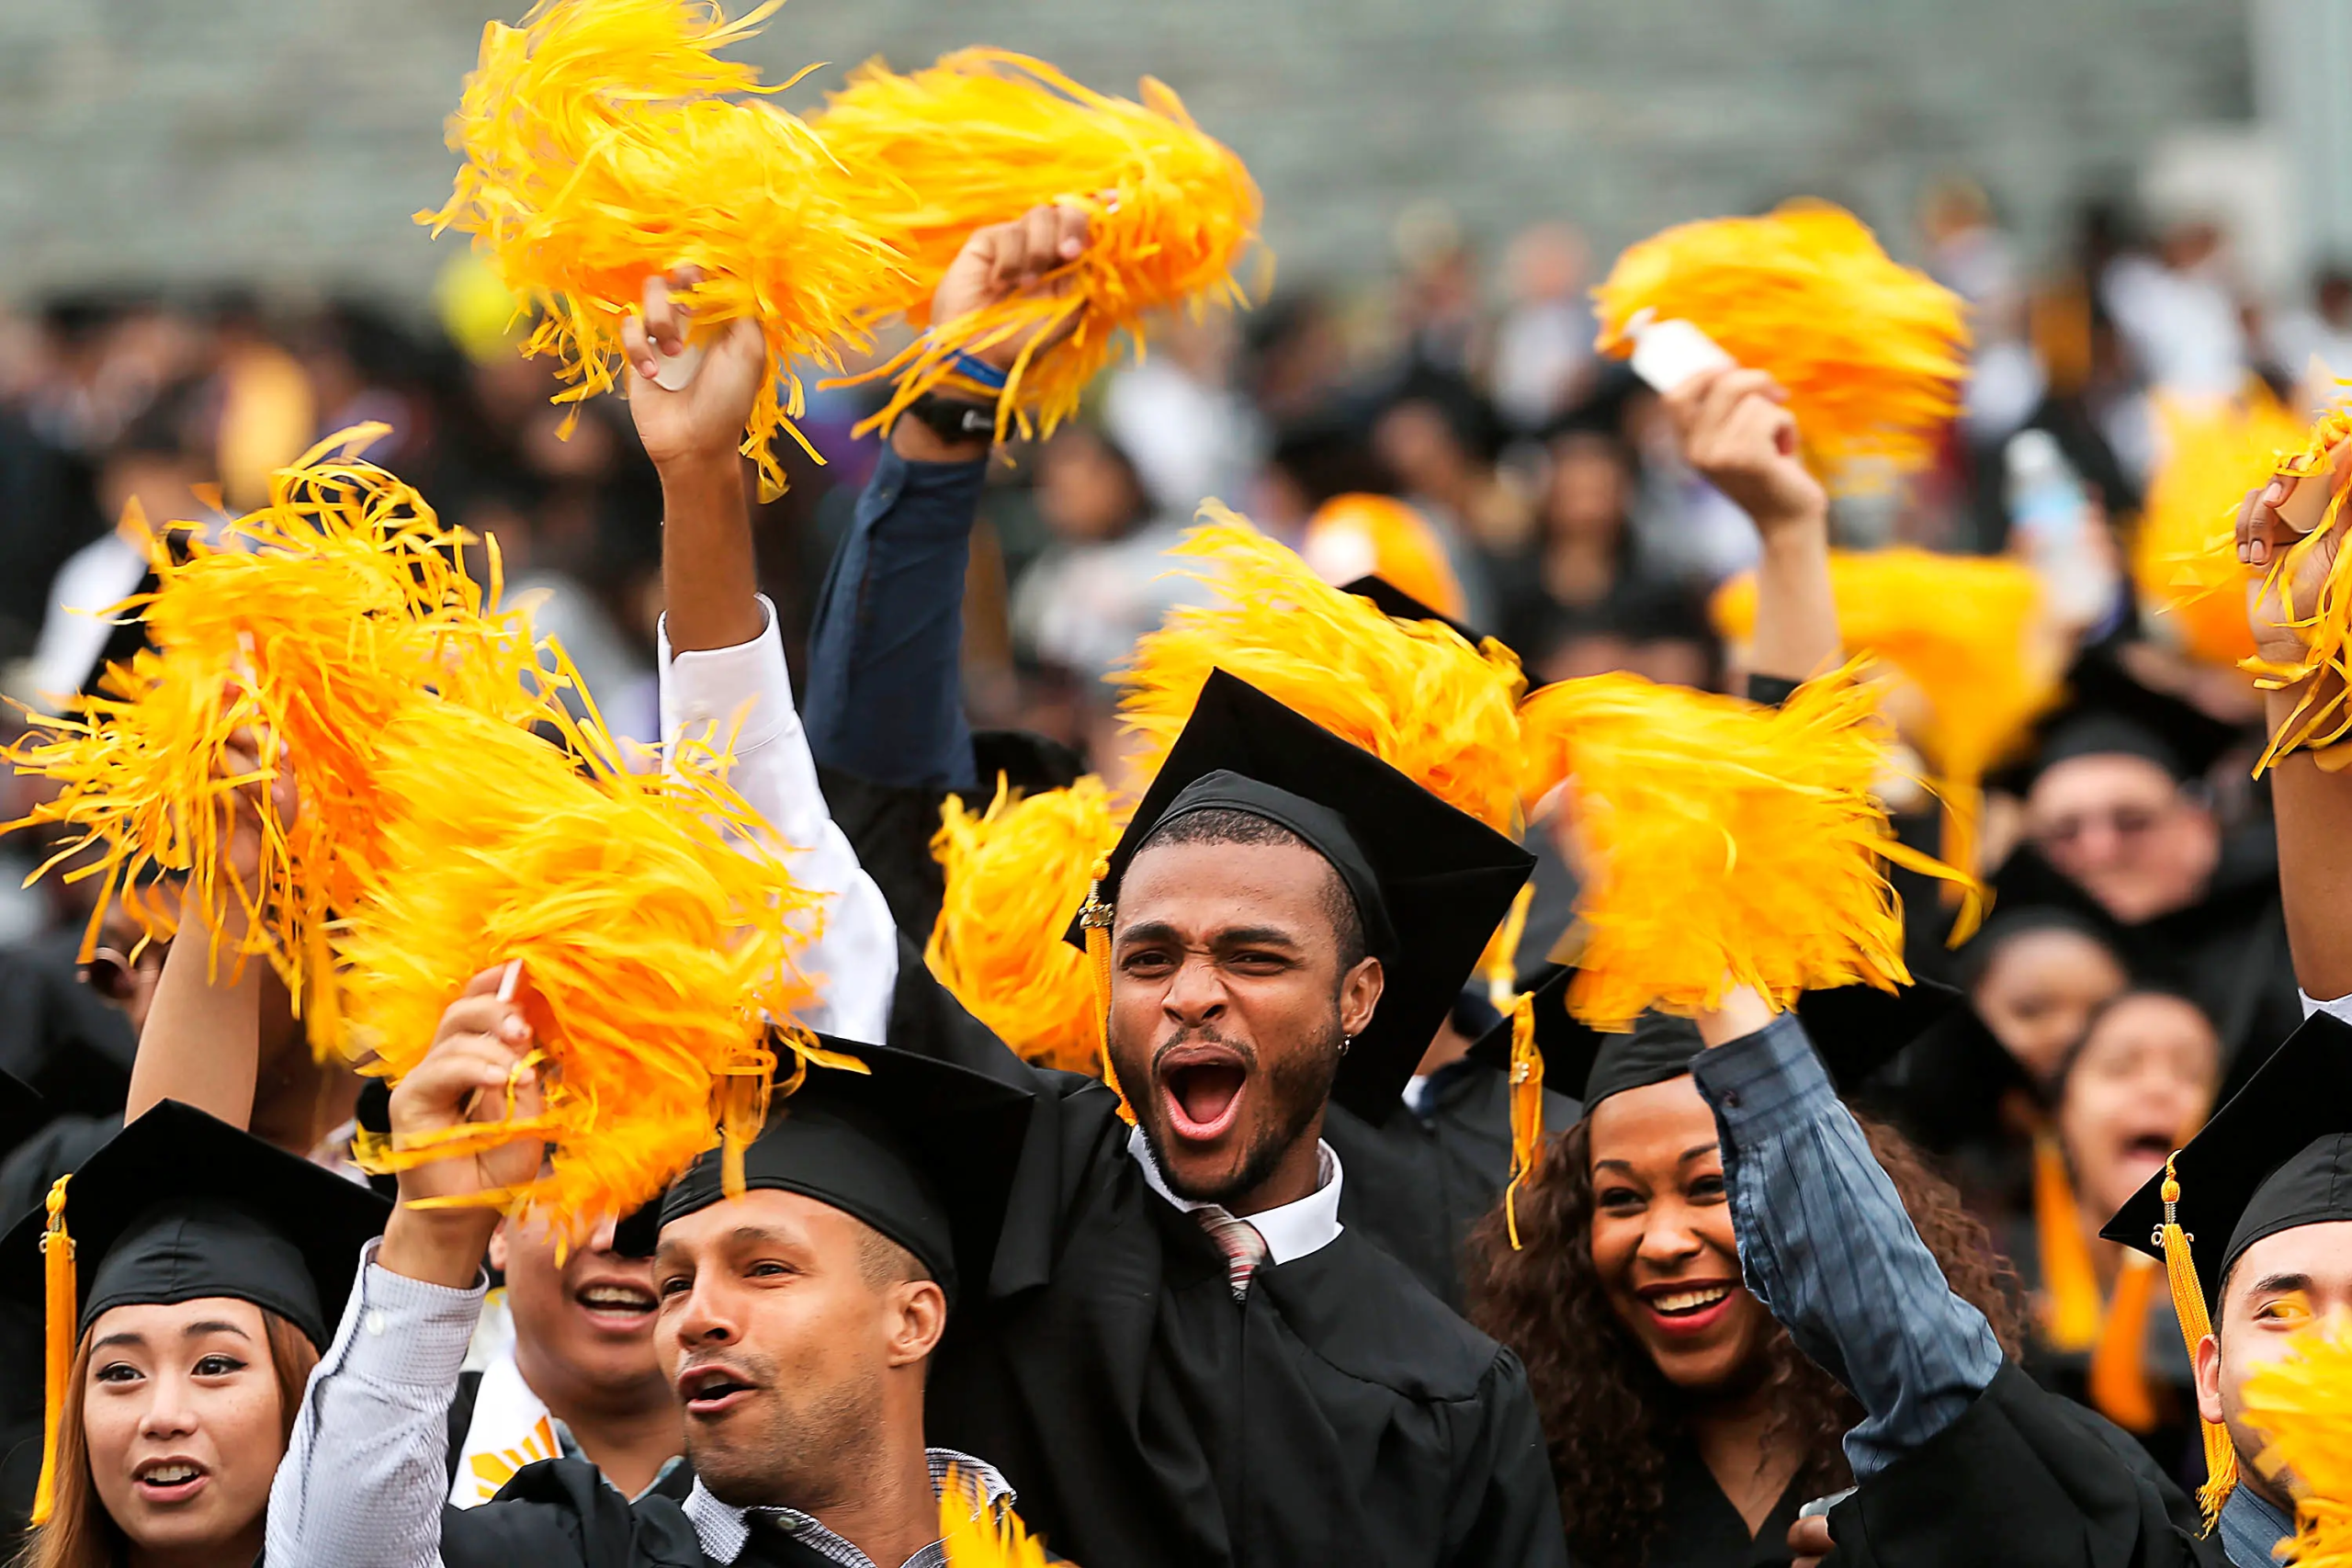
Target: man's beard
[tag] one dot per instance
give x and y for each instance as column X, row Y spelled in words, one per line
column 803, row 1454
column 1298, row 1087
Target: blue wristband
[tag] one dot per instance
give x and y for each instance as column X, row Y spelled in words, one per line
column 978, row 370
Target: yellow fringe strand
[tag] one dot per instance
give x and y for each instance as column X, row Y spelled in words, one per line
column 1094, row 919
column 1526, row 1108
column 1872, row 354
column 982, row 136
column 1411, row 693
column 2184, row 553
column 2302, row 1403
column 601, row 149
column 60, row 1307
column 2196, row 1327
column 975, row 1535
column 2322, row 715
column 1014, row 873
column 311, row 622
column 1967, row 634
column 654, row 930
column 1731, row 844
column 1499, row 963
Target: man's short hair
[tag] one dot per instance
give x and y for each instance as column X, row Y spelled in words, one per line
column 883, row 1263
column 1230, row 825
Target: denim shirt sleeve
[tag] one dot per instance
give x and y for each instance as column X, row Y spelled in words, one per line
column 885, row 699
column 1825, row 1245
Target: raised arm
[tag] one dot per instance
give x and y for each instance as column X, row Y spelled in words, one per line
column 722, row 669
column 201, row 1045
column 1826, row 1244
column 2311, row 794
column 1736, row 432
column 885, row 696
column 362, row 1481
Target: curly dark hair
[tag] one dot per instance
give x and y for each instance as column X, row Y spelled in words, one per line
column 1608, row 1412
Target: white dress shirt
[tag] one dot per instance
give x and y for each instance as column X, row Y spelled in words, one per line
column 852, row 955
column 1290, row 1230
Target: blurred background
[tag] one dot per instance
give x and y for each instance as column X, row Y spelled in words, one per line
column 208, row 258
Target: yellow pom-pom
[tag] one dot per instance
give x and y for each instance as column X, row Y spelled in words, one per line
column 2322, row 717
column 1872, row 354
column 973, row 1534
column 2302, row 1403
column 1730, row 844
column 985, row 135
column 1378, row 535
column 1413, row 693
column 2184, row 554
column 312, row 623
column 1966, row 632
column 654, row 931
column 600, row 150
column 1016, row 874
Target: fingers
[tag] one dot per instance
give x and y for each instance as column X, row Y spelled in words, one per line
column 1708, row 398
column 1809, row 1540
column 1044, row 237
column 2262, row 531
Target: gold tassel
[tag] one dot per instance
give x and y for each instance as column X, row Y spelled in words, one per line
column 57, row 1334
column 1526, row 1107
column 1501, row 965
column 1094, row 919
column 2118, row 1377
column 2196, row 1327
column 2070, row 1305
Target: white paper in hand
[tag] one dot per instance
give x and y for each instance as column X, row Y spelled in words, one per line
column 1667, row 354
column 675, row 372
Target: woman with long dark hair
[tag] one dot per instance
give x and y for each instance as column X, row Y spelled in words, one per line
column 1686, row 1427
column 209, row 1270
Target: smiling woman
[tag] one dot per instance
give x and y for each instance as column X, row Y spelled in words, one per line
column 211, row 1267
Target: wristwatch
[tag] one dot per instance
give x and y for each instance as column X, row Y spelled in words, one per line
column 955, row 420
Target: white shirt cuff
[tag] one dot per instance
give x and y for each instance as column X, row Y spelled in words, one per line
column 2340, row 1008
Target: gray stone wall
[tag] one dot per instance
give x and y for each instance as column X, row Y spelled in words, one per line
column 287, row 141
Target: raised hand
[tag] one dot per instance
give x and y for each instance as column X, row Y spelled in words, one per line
column 266, row 796
column 2272, row 521
column 1003, row 258
column 704, row 420
column 1737, row 432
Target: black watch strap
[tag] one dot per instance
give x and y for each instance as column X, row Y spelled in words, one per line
column 954, row 419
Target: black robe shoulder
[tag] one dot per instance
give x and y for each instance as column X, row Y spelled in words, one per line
column 560, row 1513
column 2027, row 1479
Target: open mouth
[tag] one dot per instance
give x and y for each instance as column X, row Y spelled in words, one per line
column 167, row 1481
column 2147, row 1152
column 1685, row 1308
column 1203, row 1088
column 709, row 1391
column 619, row 1304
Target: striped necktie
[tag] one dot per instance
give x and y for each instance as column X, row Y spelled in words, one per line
column 1243, row 1247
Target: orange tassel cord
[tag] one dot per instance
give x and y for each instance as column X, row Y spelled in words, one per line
column 982, row 136
column 1411, row 693
column 654, row 931
column 2302, row 1403
column 2196, row 1327
column 1526, row 1108
column 605, row 142
column 312, row 622
column 1872, row 354
column 1729, row 843
column 1016, row 875
column 2184, row 552
column 1979, row 661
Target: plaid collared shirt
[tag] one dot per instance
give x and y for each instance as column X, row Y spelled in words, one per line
column 724, row 1530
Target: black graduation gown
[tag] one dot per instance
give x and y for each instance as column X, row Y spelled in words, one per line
column 2025, row 1479
column 1700, row 1529
column 1416, row 1186
column 559, row 1513
column 1340, row 1414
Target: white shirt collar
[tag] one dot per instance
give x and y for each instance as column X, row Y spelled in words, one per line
column 722, row 1528
column 1291, row 1230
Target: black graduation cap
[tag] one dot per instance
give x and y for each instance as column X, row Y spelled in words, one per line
column 2108, row 711
column 1431, row 882
column 1398, row 605
column 180, row 1205
column 1856, row 1029
column 2277, row 1155
column 1030, row 762
column 921, row 1149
